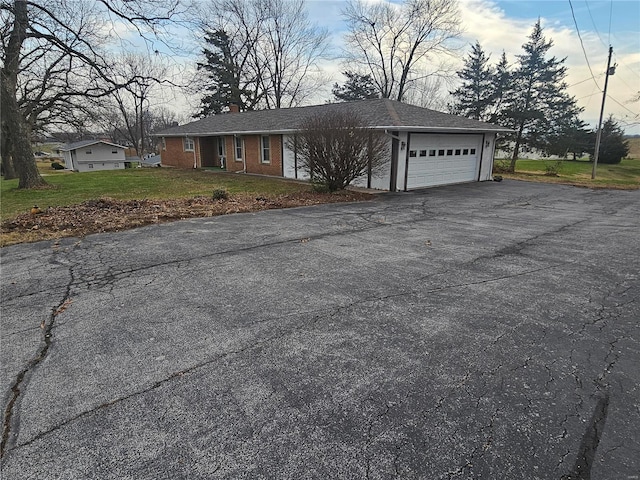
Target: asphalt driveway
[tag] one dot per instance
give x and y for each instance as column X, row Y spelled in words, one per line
column 476, row 331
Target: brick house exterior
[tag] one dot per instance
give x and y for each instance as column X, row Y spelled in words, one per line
column 187, row 152
column 426, row 147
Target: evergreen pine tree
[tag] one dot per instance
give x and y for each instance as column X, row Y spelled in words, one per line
column 501, row 87
column 476, row 96
column 538, row 107
column 573, row 138
column 223, row 75
column 613, row 147
column 357, row 87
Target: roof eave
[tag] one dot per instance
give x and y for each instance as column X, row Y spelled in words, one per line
column 377, row 127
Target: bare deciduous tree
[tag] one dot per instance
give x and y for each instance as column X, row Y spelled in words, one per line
column 336, row 148
column 390, row 41
column 141, row 74
column 273, row 47
column 52, row 58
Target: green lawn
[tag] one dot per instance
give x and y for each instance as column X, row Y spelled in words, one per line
column 626, row 174
column 68, row 188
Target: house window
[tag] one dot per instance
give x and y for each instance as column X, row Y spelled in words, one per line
column 473, row 151
column 117, row 165
column 88, row 152
column 115, row 152
column 266, row 154
column 412, row 153
column 238, row 141
column 449, row 152
column 423, row 153
column 457, row 151
column 465, row 151
column 164, row 143
column 440, row 152
column 432, row 153
column 189, row 146
column 91, row 165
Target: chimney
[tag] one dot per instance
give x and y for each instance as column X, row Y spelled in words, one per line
column 234, row 108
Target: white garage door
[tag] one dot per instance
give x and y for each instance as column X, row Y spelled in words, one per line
column 443, row 159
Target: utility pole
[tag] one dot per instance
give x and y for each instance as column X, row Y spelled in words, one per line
column 610, row 71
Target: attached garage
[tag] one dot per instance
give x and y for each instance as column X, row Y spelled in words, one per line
column 443, row 159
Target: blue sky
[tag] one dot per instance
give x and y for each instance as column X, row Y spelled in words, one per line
column 505, row 24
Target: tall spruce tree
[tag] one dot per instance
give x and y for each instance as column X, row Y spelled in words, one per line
column 476, row 96
column 223, row 76
column 538, row 105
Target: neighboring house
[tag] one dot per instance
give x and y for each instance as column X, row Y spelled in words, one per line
column 91, row 155
column 426, row 147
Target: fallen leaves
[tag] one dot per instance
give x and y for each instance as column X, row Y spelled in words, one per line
column 110, row 215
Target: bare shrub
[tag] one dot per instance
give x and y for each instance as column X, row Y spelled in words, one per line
column 336, row 148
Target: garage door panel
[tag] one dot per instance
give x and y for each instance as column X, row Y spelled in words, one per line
column 450, row 164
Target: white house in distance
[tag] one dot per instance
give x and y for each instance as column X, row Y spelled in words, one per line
column 92, row 155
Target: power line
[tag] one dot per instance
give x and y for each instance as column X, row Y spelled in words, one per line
column 594, row 24
column 582, row 81
column 627, row 66
column 623, row 106
column 588, row 96
column 582, row 44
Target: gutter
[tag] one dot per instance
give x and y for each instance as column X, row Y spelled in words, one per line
column 386, row 128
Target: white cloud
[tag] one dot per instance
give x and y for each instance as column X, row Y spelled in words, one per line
column 485, row 21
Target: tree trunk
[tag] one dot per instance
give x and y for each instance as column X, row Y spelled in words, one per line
column 516, row 149
column 8, row 172
column 17, row 128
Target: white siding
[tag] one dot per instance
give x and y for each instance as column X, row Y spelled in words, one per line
column 288, row 161
column 425, row 170
column 99, row 157
column 379, row 181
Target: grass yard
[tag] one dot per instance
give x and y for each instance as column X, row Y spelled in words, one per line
column 625, row 175
column 69, row 188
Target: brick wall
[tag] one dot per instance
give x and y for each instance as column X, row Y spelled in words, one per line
column 253, row 155
column 175, row 156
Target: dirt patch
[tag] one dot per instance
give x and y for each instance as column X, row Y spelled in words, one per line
column 109, row 215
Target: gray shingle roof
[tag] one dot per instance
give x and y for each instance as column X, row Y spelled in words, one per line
column 378, row 113
column 85, row 143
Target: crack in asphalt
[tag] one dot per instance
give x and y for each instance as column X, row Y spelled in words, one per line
column 581, row 470
column 11, row 418
column 590, row 440
column 369, row 224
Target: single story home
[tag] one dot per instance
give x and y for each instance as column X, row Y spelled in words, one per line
column 426, row 147
column 92, row 155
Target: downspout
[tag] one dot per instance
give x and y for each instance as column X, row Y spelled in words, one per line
column 195, row 164
column 295, row 155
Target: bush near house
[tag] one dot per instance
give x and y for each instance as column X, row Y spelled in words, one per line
column 335, row 149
